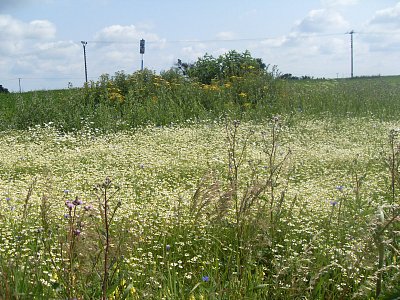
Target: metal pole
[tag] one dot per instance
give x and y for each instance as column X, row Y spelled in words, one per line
column 351, row 45
column 19, row 83
column 84, row 58
column 142, row 63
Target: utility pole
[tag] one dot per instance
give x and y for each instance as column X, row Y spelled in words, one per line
column 19, row 83
column 84, row 57
column 351, row 48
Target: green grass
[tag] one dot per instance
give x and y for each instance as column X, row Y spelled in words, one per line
column 281, row 208
column 127, row 101
column 367, row 97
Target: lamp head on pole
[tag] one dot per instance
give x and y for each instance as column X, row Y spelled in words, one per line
column 84, row 43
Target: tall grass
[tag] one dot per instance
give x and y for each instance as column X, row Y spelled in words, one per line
column 126, row 101
column 359, row 97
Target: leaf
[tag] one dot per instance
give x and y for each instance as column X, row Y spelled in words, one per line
column 127, row 291
column 195, row 287
column 261, row 286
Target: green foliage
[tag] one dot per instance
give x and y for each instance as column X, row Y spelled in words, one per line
column 205, row 69
column 231, row 64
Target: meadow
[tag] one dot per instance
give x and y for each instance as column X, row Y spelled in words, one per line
column 149, row 186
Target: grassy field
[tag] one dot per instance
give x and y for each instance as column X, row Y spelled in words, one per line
column 259, row 189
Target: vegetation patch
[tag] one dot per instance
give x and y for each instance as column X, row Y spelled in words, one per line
column 242, row 185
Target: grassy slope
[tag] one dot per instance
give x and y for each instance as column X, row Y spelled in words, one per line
column 315, row 249
column 158, row 102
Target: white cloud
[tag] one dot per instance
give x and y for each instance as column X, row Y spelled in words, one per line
column 321, row 20
column 121, row 33
column 382, row 31
column 40, row 29
column 388, row 18
column 62, row 50
column 193, row 52
column 32, row 49
column 13, row 29
column 310, row 49
column 18, row 36
column 117, row 47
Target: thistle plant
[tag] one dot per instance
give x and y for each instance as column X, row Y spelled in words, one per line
column 275, row 163
column 105, row 192
column 74, row 230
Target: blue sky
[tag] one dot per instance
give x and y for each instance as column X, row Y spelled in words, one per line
column 41, row 39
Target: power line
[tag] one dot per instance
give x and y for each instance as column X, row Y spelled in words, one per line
column 44, row 78
column 215, row 40
column 245, row 39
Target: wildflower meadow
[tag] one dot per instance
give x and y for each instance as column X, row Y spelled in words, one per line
column 160, row 187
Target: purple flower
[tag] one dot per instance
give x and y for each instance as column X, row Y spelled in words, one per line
column 66, row 216
column 8, row 199
column 205, row 278
column 168, row 247
column 69, row 204
column 333, row 203
column 66, row 192
column 77, row 232
column 88, row 207
column 77, row 201
column 340, row 188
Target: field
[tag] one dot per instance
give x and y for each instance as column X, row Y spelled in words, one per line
column 189, row 191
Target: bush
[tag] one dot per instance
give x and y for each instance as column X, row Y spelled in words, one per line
column 207, row 68
column 3, row 89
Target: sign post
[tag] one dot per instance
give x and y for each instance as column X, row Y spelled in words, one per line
column 142, row 47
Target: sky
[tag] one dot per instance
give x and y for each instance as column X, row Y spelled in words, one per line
column 40, row 40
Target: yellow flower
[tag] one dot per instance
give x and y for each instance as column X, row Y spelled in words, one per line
column 247, row 105
column 115, row 96
column 54, row 277
column 242, row 94
column 132, row 291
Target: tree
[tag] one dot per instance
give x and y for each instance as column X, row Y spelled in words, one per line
column 205, row 69
column 239, row 64
column 208, row 68
column 3, row 89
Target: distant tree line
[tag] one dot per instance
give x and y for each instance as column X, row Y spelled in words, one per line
column 291, row 77
column 3, row 89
